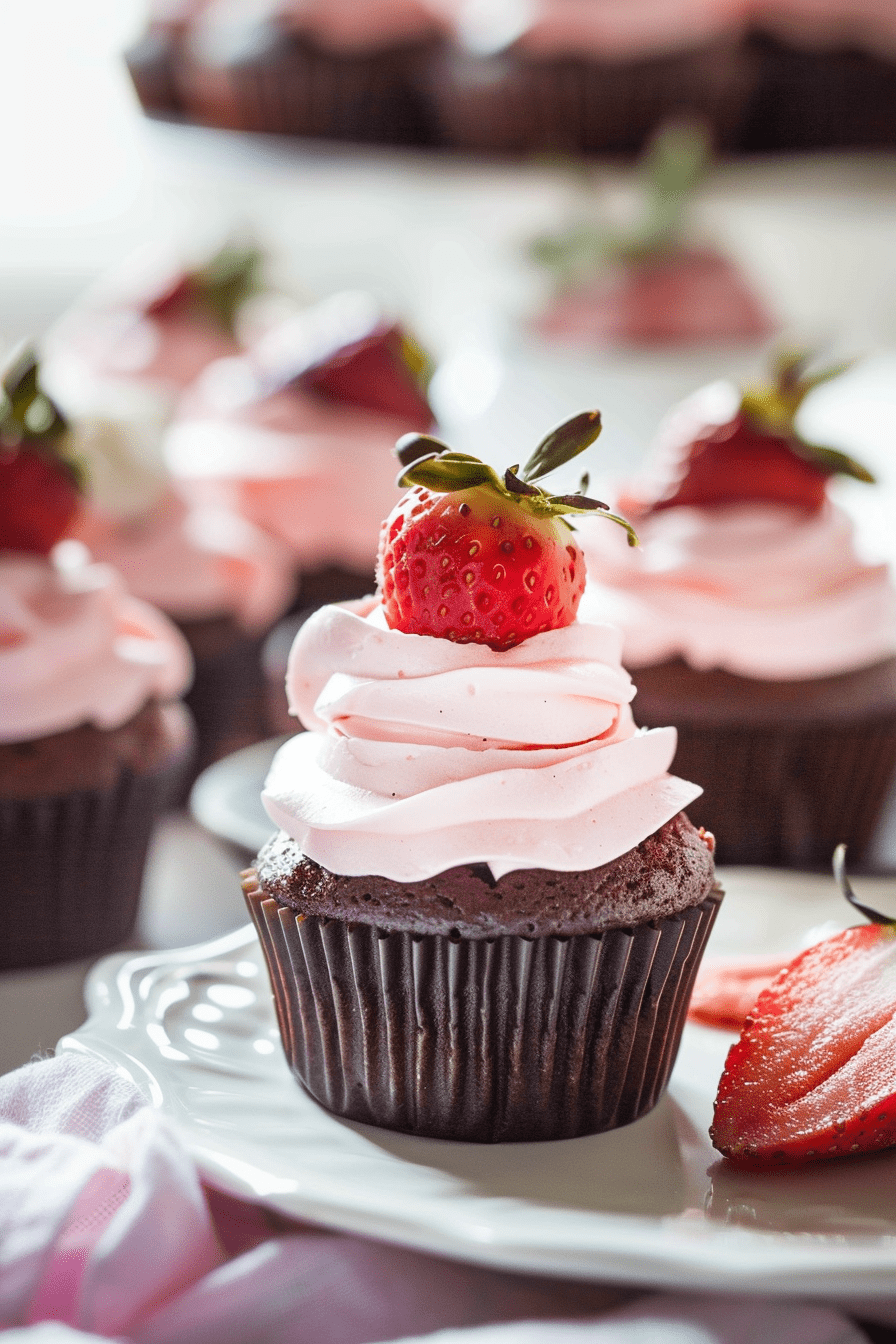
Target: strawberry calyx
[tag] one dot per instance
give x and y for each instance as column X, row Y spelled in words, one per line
column 434, row 466
column 674, row 162
column 476, row 557
column 217, row 289
column 771, row 411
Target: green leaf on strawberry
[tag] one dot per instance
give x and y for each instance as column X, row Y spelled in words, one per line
column 218, row 289
column 40, row 479
column 813, row 1075
column 473, row 557
column 669, row 171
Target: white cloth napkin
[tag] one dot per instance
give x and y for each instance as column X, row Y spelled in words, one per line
column 107, row 1233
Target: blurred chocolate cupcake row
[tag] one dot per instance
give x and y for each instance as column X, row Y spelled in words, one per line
column 516, row 76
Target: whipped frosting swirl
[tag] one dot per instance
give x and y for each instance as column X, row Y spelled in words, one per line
column 765, row 591
column 423, row 754
column 76, row 648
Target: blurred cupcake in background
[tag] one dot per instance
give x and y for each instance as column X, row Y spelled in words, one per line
column 151, row 328
column 152, row 59
column 339, row 69
column 573, row 75
column 650, row 283
column 93, row 742
column 750, row 615
column 297, row 437
column 826, row 75
column 221, row 580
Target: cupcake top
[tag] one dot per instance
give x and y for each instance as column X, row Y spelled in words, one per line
column 363, row 25
column 424, row 754
column 156, row 323
column 297, row 436
column 76, row 648
column 228, row 29
column 435, row 741
column 745, row 564
column 194, row 563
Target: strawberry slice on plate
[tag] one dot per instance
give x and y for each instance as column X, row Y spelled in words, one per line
column 813, row 1075
column 725, row 992
column 473, row 557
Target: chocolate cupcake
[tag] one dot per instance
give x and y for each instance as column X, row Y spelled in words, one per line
column 572, row 77
column 91, row 750
column 749, row 616
column 484, row 910
column 336, row 69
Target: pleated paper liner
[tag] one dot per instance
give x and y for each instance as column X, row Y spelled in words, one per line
column 268, row 79
column 486, row 1040
column 73, row 863
column 788, row 797
column 511, row 102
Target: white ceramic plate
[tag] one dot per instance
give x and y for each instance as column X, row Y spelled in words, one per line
column 650, row 1203
column 226, row 798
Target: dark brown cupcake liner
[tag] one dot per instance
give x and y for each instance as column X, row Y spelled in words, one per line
column 485, row 1040
column 73, row 865
column 510, row 103
column 788, row 796
column 272, row 80
column 228, row 696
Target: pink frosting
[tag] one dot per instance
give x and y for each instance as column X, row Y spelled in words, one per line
column 318, row 475
column 195, row 563
column 831, row 23
column 361, row 25
column 424, row 754
column 625, row 29
column 763, row 591
column 166, row 353
column 76, row 648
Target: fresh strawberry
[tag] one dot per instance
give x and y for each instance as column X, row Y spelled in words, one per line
column 382, row 370
column 813, row 1075
column 470, row 557
column 216, row 290
column 39, row 484
column 756, row 455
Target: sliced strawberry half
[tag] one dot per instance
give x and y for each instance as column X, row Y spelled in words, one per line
column 813, row 1075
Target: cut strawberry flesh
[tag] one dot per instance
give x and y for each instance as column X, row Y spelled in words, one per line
column 814, row 1073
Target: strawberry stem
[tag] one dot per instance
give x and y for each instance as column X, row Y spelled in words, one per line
column 447, row 472
column 839, row 866
column 772, row 409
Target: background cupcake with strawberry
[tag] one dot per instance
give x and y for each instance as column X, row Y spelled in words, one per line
column 93, row 741
column 484, row 909
column 752, row 621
